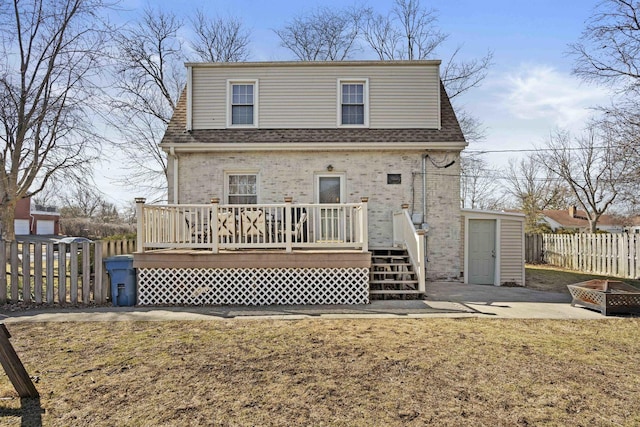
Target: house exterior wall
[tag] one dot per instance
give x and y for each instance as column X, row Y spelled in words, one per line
column 280, row 174
column 286, row 99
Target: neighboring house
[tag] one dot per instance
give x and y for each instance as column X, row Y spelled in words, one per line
column 291, row 182
column 573, row 219
column 31, row 218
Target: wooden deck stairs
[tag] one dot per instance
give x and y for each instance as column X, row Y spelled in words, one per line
column 392, row 275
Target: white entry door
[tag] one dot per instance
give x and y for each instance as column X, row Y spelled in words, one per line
column 482, row 251
column 330, row 190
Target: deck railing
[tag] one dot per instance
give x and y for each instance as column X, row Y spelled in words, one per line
column 405, row 235
column 285, row 226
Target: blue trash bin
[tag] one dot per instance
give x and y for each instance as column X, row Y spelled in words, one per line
column 123, row 279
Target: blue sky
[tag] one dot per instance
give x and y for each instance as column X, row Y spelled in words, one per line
column 529, row 90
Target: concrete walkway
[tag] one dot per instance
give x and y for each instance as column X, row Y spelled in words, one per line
column 444, row 299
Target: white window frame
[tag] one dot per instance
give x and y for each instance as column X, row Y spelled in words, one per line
column 365, row 94
column 230, row 84
column 227, row 174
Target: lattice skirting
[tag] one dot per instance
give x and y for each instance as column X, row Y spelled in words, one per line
column 252, row 286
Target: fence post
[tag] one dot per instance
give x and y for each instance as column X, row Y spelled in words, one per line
column 62, row 273
column 140, row 232
column 37, row 271
column 86, row 273
column 50, row 273
column 73, row 273
column 98, row 282
column 14, row 271
column 3, row 272
column 26, row 271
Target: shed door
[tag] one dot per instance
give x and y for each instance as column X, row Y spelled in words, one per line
column 21, row 226
column 482, row 251
column 44, row 227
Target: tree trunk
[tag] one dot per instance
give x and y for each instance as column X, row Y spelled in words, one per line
column 7, row 216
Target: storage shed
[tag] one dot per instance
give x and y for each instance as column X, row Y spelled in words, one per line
column 493, row 245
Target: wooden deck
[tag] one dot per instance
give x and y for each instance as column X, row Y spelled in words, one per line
column 184, row 258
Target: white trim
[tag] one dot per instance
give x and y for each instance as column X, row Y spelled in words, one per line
column 225, row 190
column 270, row 64
column 365, row 94
column 256, row 91
column 189, row 124
column 439, row 101
column 315, row 146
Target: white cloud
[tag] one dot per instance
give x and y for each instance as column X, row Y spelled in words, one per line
column 542, row 93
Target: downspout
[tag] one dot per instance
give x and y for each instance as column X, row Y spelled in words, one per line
column 424, row 190
column 424, row 225
column 172, row 152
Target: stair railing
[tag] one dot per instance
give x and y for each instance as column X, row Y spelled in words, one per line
column 405, row 235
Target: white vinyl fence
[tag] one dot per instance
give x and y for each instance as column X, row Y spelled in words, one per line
column 44, row 272
column 615, row 254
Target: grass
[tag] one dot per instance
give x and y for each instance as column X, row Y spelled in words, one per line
column 556, row 279
column 360, row 372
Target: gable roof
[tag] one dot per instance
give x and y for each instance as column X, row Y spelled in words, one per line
column 450, row 132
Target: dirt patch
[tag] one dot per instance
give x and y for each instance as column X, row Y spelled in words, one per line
column 331, row 372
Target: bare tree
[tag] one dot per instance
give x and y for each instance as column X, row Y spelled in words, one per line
column 591, row 166
column 220, row 39
column 410, row 32
column 80, row 202
column 323, row 35
column 51, row 55
column 608, row 48
column 149, row 62
column 535, row 189
column 149, row 79
column 479, row 186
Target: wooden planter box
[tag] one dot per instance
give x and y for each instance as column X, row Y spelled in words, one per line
column 608, row 296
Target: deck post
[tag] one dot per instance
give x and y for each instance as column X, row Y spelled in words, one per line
column 140, row 223
column 213, row 223
column 421, row 258
column 364, row 223
column 288, row 219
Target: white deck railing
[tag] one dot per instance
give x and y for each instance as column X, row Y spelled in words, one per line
column 285, row 226
column 406, row 235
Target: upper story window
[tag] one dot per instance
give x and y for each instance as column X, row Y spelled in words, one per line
column 353, row 108
column 243, row 103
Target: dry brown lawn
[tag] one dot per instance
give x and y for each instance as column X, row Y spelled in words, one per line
column 373, row 372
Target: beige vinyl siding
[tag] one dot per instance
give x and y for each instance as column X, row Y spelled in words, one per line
column 307, row 96
column 511, row 246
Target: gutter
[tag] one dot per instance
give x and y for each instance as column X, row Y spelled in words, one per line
column 195, row 147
